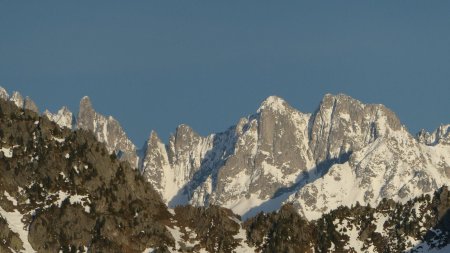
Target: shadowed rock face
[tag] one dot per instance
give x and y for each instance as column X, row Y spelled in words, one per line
column 11, row 241
column 63, row 191
column 250, row 158
column 156, row 158
column 342, row 124
column 270, row 153
column 280, row 154
column 106, row 130
column 20, row 102
column 29, row 104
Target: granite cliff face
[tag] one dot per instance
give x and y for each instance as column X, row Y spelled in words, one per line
column 18, row 100
column 108, row 131
column 315, row 161
column 248, row 161
column 372, row 152
column 347, row 178
column 440, row 136
column 280, row 155
column 64, row 117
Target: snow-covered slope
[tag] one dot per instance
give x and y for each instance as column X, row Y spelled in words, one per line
column 391, row 167
column 323, row 169
column 317, row 160
column 3, row 94
column 440, row 136
column 241, row 167
column 387, row 162
column 63, row 117
column 280, row 155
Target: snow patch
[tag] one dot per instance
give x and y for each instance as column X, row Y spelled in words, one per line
column 8, row 152
column 60, row 140
column 243, row 247
column 83, row 200
column 10, row 198
column 16, row 225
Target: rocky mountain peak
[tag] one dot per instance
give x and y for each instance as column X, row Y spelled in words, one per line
column 439, row 136
column 422, row 136
column 3, row 94
column 184, row 137
column 443, row 134
column 63, row 117
column 156, row 168
column 270, row 155
column 183, row 129
column 30, row 105
column 342, row 124
column 60, row 191
column 86, row 115
column 274, row 104
column 17, row 98
column 85, row 103
column 106, row 130
column 153, row 139
column 328, row 166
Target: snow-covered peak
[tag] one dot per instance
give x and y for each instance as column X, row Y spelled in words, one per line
column 17, row 99
column 20, row 102
column 443, row 131
column 184, row 134
column 29, row 104
column 63, row 117
column 183, row 128
column 86, row 104
column 3, row 94
column 341, row 96
column 153, row 138
column 107, row 130
column 273, row 103
column 329, row 100
column 267, row 157
column 342, row 125
column 439, row 136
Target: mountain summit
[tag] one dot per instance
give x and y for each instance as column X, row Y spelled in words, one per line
column 106, row 130
column 348, row 177
column 280, row 155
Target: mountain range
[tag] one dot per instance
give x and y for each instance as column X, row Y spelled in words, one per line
column 349, row 172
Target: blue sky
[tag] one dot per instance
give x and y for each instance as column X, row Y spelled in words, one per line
column 157, row 64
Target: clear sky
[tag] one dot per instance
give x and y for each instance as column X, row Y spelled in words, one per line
column 157, row 64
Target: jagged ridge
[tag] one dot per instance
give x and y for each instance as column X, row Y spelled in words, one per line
column 280, row 155
column 276, row 155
